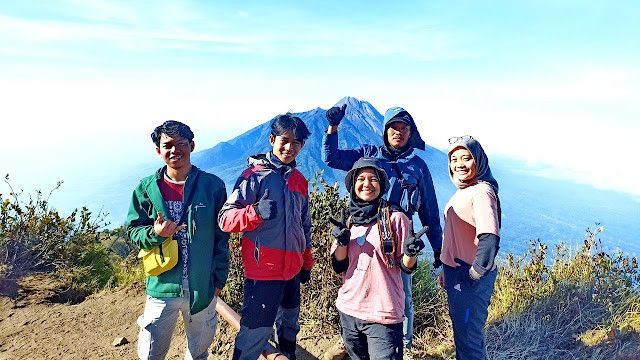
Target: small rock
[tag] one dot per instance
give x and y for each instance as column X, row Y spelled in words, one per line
column 335, row 353
column 120, row 341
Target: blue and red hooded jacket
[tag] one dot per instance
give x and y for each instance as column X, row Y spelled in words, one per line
column 279, row 248
column 418, row 196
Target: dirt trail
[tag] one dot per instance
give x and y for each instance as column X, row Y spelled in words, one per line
column 34, row 327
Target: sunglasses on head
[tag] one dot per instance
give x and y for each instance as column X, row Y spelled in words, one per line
column 463, row 138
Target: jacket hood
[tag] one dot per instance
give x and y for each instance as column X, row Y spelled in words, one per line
column 400, row 114
column 269, row 160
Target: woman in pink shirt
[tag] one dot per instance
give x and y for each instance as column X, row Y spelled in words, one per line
column 470, row 243
column 371, row 299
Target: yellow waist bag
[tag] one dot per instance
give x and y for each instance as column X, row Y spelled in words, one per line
column 161, row 258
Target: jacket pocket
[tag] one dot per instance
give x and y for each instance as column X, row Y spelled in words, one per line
column 197, row 214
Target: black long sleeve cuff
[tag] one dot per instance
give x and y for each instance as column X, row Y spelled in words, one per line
column 488, row 246
column 407, row 270
column 339, row 266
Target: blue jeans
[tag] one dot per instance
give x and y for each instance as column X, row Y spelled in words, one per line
column 365, row 340
column 407, row 324
column 469, row 308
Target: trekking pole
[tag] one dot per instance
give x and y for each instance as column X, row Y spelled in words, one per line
column 232, row 317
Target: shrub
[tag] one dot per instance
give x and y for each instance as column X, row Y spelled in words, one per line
column 320, row 293
column 582, row 303
column 232, row 292
column 123, row 253
column 565, row 303
column 432, row 325
column 34, row 237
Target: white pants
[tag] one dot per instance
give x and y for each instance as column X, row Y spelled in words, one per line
column 159, row 321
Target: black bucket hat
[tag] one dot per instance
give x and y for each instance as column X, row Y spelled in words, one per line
column 367, row 162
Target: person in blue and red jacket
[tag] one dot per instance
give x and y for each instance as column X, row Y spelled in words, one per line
column 270, row 206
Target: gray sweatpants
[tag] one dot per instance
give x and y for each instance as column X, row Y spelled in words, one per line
column 159, row 320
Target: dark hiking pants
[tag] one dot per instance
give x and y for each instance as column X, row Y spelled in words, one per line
column 266, row 302
column 365, row 340
column 469, row 308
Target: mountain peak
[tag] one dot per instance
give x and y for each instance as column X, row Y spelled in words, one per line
column 350, row 101
column 362, row 114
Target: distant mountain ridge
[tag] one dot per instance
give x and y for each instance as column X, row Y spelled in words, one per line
column 533, row 207
column 362, row 124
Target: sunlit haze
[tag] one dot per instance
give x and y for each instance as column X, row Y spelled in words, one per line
column 83, row 83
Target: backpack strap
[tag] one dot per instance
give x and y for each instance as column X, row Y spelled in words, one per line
column 401, row 179
column 161, row 253
column 386, row 233
column 405, row 186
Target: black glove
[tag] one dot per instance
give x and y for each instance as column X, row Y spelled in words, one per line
column 436, row 263
column 413, row 244
column 340, row 231
column 305, row 275
column 335, row 115
column 463, row 273
column 265, row 208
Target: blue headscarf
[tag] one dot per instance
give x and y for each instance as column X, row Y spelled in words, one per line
column 483, row 171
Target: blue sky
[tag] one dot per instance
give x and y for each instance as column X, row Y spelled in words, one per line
column 555, row 83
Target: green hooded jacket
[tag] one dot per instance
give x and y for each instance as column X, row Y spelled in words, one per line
column 208, row 245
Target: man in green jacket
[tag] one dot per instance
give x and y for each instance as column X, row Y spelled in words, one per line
column 180, row 201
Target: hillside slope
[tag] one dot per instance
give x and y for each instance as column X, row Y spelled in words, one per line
column 33, row 327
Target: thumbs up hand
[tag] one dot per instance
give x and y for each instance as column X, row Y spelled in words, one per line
column 413, row 244
column 265, row 208
column 166, row 228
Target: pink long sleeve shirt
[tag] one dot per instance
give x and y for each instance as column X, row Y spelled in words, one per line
column 371, row 291
column 470, row 212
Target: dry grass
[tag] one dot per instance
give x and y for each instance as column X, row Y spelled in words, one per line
column 584, row 305
column 577, row 303
column 572, row 304
column 566, row 326
column 568, row 304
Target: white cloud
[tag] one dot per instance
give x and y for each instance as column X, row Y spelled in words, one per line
column 104, row 11
column 543, row 114
column 41, row 31
column 164, row 25
column 581, row 133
